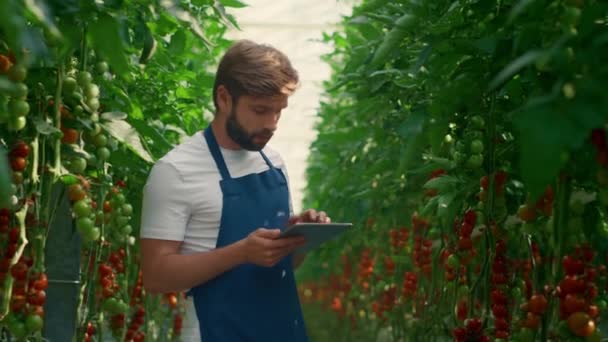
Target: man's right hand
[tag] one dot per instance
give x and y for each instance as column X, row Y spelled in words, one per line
column 263, row 247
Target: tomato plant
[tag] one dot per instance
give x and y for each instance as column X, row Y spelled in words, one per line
column 91, row 94
column 478, row 127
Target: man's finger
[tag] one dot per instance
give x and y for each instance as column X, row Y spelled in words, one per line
column 310, row 215
column 322, row 217
column 268, row 233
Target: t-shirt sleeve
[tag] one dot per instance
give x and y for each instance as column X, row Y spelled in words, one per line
column 165, row 204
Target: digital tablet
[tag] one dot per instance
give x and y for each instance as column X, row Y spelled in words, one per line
column 315, row 233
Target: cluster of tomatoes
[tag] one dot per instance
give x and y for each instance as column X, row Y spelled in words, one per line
column 529, row 211
column 499, row 299
column 18, row 158
column 366, row 269
column 14, row 107
column 577, row 292
column 423, row 247
column 471, row 332
column 83, row 209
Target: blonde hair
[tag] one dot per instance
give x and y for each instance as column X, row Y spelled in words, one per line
column 253, row 69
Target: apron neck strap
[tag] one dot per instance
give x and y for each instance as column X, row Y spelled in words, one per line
column 267, row 160
column 216, row 153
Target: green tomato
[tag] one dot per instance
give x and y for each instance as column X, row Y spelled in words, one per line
column 475, row 161
column 101, row 67
column 84, row 224
column 91, row 91
column 110, row 305
column 76, row 97
column 34, row 323
column 100, row 140
column 121, row 221
column 84, row 78
column 82, row 208
column 476, row 146
column 516, row 293
column 17, row 73
column 91, row 160
column 127, row 209
column 93, row 104
column 463, row 291
column 78, row 110
column 91, row 235
column 20, row 91
column 453, row 261
column 478, row 122
column 16, row 123
column 122, row 306
column 126, row 230
column 69, row 85
column 17, row 329
column 434, row 233
column 18, row 107
column 79, row 165
column 103, row 153
column 119, row 199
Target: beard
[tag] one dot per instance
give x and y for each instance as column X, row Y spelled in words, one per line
column 242, row 137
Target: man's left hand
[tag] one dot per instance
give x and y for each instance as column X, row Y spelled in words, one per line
column 310, row 216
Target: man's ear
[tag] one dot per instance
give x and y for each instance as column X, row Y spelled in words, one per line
column 224, row 100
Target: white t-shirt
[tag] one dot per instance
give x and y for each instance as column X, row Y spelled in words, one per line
column 182, row 200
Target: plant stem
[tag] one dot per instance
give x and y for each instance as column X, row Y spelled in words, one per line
column 57, row 111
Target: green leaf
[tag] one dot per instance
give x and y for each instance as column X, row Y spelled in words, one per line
column 113, row 116
column 149, row 46
column 545, row 134
column 44, row 127
column 180, row 14
column 5, row 181
column 40, row 11
column 146, row 130
column 515, row 66
column 442, row 183
column 413, row 125
column 123, row 132
column 518, row 9
column 178, row 42
column 105, row 37
column 233, row 3
column 392, row 40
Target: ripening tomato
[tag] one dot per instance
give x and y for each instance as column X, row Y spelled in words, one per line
column 580, row 324
column 76, row 192
column 70, row 135
column 21, row 149
column 538, row 304
column 18, row 164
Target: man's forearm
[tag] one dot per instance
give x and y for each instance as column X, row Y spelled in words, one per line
column 178, row 272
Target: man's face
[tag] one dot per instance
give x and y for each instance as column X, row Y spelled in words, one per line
column 253, row 120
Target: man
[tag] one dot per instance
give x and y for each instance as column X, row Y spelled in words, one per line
column 214, row 206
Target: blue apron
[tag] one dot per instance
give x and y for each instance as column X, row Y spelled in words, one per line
column 249, row 302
